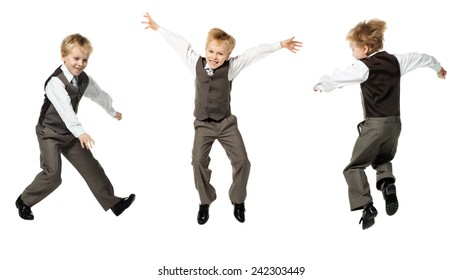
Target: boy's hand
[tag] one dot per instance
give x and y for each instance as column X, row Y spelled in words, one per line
column 291, row 45
column 442, row 73
column 118, row 116
column 86, row 141
column 150, row 22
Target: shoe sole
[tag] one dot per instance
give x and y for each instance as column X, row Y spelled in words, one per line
column 202, row 222
column 391, row 200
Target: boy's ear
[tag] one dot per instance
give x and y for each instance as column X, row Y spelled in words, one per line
column 366, row 49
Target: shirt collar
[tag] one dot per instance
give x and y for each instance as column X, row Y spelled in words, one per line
column 66, row 73
column 208, row 69
column 375, row 53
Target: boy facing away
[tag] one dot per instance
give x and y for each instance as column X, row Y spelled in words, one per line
column 59, row 132
column 378, row 74
column 214, row 75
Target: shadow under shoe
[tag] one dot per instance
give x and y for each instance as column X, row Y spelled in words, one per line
column 239, row 211
column 368, row 217
column 24, row 211
column 391, row 200
column 203, row 214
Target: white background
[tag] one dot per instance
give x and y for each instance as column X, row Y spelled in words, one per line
column 298, row 142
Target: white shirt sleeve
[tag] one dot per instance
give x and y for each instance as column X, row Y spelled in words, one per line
column 58, row 96
column 412, row 61
column 182, row 47
column 99, row 96
column 238, row 63
column 357, row 73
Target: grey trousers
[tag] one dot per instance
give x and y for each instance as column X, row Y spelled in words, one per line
column 52, row 145
column 227, row 133
column 376, row 146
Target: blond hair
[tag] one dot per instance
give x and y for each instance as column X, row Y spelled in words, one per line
column 223, row 37
column 76, row 40
column 368, row 33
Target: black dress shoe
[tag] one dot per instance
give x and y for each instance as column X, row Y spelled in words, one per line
column 391, row 201
column 239, row 212
column 24, row 211
column 123, row 204
column 203, row 214
column 369, row 214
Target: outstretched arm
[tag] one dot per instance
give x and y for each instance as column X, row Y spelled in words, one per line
column 150, row 22
column 411, row 61
column 291, row 45
column 182, row 47
column 357, row 73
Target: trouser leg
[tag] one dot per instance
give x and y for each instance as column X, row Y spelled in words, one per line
column 204, row 136
column 93, row 174
column 364, row 153
column 382, row 164
column 47, row 180
column 231, row 140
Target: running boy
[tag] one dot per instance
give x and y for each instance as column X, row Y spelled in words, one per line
column 214, row 75
column 60, row 132
column 378, row 74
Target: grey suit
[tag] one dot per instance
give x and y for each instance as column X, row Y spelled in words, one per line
column 214, row 121
column 55, row 139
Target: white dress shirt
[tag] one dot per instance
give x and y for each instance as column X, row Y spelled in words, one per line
column 236, row 64
column 58, row 96
column 358, row 72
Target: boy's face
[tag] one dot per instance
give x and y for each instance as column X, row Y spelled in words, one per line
column 76, row 60
column 216, row 53
column 357, row 51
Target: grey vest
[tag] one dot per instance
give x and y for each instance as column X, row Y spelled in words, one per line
column 49, row 117
column 381, row 90
column 213, row 93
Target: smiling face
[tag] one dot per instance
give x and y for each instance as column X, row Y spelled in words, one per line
column 76, row 60
column 216, row 53
column 358, row 52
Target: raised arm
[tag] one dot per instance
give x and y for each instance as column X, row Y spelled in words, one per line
column 181, row 46
column 252, row 55
column 411, row 61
